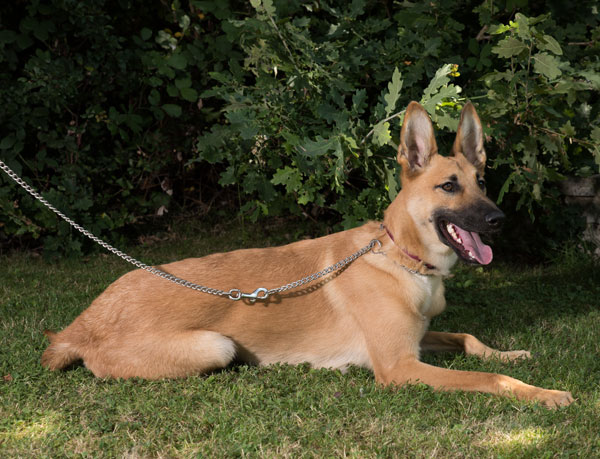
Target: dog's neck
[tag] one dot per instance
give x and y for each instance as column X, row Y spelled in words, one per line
column 404, row 234
column 426, row 258
column 405, row 250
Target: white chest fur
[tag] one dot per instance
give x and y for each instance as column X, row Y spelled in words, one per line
column 432, row 295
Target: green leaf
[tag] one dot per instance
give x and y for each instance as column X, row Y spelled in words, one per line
column 522, row 26
column 537, row 191
column 550, row 44
column 568, row 129
column 447, row 92
column 505, row 187
column 509, row 47
column 172, row 91
column 328, row 112
column 381, row 133
column 339, row 165
column 350, row 141
column 440, row 79
column 547, row 65
column 269, row 8
column 596, row 153
column 243, row 120
column 393, row 94
column 189, row 94
column 392, row 184
column 446, row 121
column 165, row 40
column 177, row 61
column 290, row 177
column 154, row 81
column 266, row 4
column 172, row 110
column 24, row 41
column 7, row 142
column 184, row 22
column 228, row 176
column 500, row 28
column 181, row 83
column 358, row 101
column 304, row 197
column 313, row 149
column 593, row 77
column 145, row 33
column 7, row 36
column 154, row 97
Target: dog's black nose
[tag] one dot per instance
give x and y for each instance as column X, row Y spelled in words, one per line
column 495, row 218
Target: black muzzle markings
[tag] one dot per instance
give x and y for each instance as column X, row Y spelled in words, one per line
column 461, row 229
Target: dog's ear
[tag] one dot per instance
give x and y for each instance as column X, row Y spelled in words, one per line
column 417, row 141
column 469, row 138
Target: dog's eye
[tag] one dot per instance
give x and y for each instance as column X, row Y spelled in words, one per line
column 481, row 183
column 448, row 186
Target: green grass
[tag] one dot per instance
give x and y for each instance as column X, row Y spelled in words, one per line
column 281, row 411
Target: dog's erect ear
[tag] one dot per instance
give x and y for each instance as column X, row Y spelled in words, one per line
column 469, row 138
column 417, row 141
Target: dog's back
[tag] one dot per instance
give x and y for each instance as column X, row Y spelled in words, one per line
column 148, row 327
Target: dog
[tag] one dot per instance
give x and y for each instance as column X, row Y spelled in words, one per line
column 373, row 313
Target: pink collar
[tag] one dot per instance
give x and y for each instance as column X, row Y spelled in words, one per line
column 414, row 257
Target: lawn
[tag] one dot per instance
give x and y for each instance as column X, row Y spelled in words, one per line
column 282, row 411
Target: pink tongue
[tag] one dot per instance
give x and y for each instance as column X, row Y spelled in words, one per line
column 471, row 241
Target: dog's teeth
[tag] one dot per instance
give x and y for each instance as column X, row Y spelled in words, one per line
column 452, row 232
column 471, row 254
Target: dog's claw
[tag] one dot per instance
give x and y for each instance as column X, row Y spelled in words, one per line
column 556, row 398
column 510, row 356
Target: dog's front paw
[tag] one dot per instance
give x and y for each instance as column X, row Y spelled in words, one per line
column 510, row 356
column 555, row 398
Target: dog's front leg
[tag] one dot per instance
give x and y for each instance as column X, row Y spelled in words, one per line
column 393, row 337
column 463, row 342
column 411, row 371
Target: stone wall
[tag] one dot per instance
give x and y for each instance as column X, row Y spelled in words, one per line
column 585, row 192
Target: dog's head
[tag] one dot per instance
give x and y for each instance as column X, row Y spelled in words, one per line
column 445, row 195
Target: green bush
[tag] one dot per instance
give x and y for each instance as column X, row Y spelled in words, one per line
column 93, row 93
column 297, row 112
column 122, row 111
column 541, row 103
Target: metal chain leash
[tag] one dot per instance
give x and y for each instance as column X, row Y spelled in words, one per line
column 335, row 267
column 234, row 294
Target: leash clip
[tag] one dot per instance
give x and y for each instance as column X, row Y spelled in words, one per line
column 260, row 293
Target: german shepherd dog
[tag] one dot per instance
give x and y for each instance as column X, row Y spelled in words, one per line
column 372, row 313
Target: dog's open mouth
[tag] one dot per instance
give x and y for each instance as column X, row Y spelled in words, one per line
column 466, row 244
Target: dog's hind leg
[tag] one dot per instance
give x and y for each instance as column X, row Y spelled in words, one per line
column 463, row 342
column 159, row 356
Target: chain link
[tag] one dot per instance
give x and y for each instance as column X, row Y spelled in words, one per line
column 234, row 294
column 330, row 269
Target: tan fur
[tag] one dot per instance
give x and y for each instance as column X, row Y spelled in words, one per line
column 374, row 313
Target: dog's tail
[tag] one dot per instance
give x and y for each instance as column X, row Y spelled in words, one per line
column 59, row 354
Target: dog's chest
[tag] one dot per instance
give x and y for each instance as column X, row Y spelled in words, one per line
column 432, row 301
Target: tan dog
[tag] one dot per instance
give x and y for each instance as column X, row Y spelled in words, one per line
column 373, row 313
